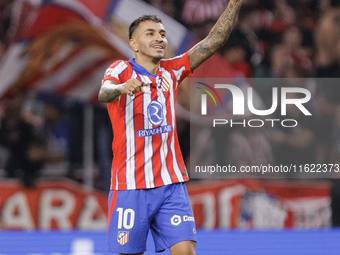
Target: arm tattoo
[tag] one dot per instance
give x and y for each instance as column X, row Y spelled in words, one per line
column 109, row 92
column 218, row 35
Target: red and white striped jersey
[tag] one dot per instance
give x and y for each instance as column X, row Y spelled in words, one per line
column 145, row 145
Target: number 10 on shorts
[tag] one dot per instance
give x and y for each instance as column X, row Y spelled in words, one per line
column 126, row 218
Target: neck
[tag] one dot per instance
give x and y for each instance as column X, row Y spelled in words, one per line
column 150, row 64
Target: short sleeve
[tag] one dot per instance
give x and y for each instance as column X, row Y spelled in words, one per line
column 180, row 65
column 187, row 72
column 114, row 71
column 184, row 67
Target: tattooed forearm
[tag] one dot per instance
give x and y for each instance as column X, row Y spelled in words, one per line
column 109, row 92
column 218, row 35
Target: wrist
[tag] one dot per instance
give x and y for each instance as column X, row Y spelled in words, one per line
column 121, row 88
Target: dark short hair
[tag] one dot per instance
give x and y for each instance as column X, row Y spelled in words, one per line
column 143, row 18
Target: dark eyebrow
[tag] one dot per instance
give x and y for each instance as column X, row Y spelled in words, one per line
column 153, row 30
column 149, row 30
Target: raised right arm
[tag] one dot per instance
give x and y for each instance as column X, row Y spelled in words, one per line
column 218, row 35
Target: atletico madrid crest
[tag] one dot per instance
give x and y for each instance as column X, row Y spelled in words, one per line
column 123, row 237
column 163, row 82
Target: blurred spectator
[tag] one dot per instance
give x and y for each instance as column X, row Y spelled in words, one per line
column 295, row 145
column 299, row 144
column 328, row 66
column 250, row 147
column 169, row 7
column 284, row 17
column 53, row 146
column 75, row 120
column 327, row 37
column 249, row 27
column 200, row 15
column 273, row 65
column 292, row 39
column 104, row 137
column 5, row 17
column 196, row 12
column 2, row 49
column 235, row 52
column 17, row 136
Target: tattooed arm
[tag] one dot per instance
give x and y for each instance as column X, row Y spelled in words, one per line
column 110, row 91
column 218, row 35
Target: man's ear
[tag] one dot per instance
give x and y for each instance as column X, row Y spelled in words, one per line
column 133, row 45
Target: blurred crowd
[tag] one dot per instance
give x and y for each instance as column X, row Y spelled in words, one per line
column 5, row 20
column 272, row 39
column 33, row 135
column 45, row 138
column 277, row 39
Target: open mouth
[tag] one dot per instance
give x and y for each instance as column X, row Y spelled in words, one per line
column 158, row 47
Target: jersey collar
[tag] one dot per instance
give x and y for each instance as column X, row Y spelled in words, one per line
column 140, row 69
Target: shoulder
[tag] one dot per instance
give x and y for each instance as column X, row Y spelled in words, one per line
column 117, row 69
column 179, row 65
column 176, row 59
column 178, row 62
column 118, row 64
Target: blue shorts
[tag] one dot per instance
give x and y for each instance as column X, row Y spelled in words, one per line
column 166, row 211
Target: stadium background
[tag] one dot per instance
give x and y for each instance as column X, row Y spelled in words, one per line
column 54, row 52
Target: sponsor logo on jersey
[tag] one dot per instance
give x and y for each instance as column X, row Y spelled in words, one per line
column 155, row 113
column 108, row 71
column 188, row 218
column 123, row 237
column 176, row 220
column 154, row 131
